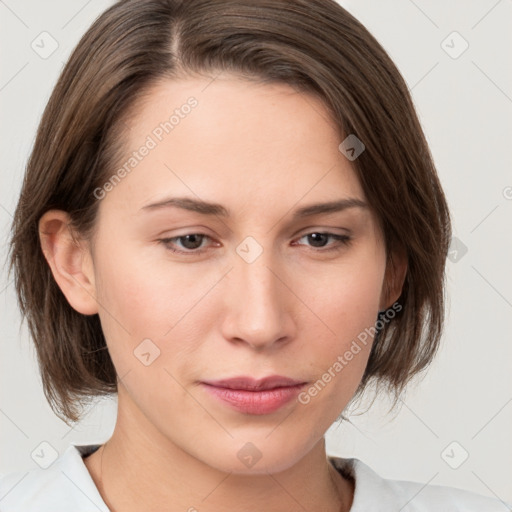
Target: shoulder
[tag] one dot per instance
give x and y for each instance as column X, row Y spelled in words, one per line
column 375, row 493
column 422, row 497
column 63, row 486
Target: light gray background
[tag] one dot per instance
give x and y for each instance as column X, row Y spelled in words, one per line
column 465, row 105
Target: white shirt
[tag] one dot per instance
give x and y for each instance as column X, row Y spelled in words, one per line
column 67, row 486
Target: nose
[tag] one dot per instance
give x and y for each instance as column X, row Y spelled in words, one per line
column 259, row 306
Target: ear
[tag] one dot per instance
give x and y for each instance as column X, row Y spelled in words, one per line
column 70, row 261
column 394, row 278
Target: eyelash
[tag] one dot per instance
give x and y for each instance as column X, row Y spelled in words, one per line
column 343, row 241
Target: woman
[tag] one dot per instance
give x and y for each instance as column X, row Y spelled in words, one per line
column 233, row 222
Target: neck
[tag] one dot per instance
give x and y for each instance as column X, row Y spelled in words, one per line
column 138, row 469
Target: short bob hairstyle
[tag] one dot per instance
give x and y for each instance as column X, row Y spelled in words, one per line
column 316, row 47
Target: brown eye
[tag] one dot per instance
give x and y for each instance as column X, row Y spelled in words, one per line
column 319, row 239
column 189, row 243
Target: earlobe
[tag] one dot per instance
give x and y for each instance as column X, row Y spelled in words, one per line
column 396, row 271
column 70, row 261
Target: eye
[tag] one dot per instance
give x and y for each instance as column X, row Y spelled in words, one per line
column 191, row 242
column 319, row 240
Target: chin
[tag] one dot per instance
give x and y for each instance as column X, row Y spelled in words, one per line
column 259, row 456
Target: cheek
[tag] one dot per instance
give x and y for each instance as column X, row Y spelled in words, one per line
column 141, row 301
column 172, row 305
column 347, row 305
column 348, row 299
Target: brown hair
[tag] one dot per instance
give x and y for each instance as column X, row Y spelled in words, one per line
column 315, row 46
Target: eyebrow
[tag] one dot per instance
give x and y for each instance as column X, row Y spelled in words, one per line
column 206, row 208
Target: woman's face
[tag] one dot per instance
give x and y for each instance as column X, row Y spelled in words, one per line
column 254, row 290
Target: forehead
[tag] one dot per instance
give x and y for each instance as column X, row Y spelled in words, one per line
column 231, row 140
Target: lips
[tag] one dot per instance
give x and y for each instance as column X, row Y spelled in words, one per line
column 250, row 384
column 254, row 396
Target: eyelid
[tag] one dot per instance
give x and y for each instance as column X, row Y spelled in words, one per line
column 331, row 230
column 167, row 240
column 341, row 240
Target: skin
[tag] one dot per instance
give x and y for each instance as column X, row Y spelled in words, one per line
column 261, row 151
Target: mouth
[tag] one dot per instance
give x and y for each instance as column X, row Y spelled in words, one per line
column 250, row 384
column 254, row 396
